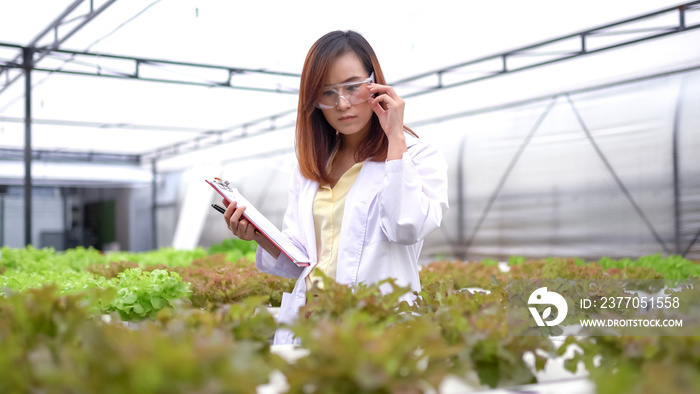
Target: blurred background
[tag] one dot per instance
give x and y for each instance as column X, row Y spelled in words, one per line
column 569, row 127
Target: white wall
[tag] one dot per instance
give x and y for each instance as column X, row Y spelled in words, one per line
column 47, row 216
column 560, row 198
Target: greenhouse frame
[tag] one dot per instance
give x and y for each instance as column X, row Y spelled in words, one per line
column 569, row 129
column 625, row 211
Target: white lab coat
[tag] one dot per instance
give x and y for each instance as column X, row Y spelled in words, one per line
column 390, row 209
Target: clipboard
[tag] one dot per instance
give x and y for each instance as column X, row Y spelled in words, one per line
column 260, row 222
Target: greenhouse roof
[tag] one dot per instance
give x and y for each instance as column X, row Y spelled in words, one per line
column 126, row 112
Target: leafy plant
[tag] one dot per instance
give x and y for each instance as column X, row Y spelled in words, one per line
column 111, row 269
column 360, row 339
column 364, row 339
column 671, row 267
column 236, row 250
column 352, row 354
column 515, row 260
column 141, row 294
column 64, row 281
column 443, row 331
column 478, row 323
column 52, row 343
column 30, row 259
column 638, row 364
column 571, row 268
column 214, row 282
column 30, row 268
column 460, row 274
column 168, row 256
column 383, row 301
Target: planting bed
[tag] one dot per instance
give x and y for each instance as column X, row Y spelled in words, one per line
column 201, row 321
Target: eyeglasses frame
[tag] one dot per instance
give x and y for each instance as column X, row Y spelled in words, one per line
column 369, row 80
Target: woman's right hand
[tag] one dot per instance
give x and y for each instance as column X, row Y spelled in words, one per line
column 235, row 222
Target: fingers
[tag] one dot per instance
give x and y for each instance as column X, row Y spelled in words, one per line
column 249, row 230
column 384, row 89
column 388, row 107
column 236, row 223
column 376, row 106
column 246, row 231
column 230, row 208
column 225, row 202
column 386, row 95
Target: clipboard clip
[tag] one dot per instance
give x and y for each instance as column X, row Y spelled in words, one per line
column 223, row 184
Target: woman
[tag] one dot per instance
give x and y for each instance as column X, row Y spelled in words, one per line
column 366, row 190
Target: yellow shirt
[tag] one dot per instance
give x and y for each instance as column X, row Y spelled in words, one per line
column 328, row 208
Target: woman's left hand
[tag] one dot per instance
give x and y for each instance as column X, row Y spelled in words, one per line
column 391, row 114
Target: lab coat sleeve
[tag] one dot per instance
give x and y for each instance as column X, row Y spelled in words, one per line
column 283, row 266
column 413, row 196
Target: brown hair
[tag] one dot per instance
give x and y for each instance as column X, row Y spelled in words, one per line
column 315, row 138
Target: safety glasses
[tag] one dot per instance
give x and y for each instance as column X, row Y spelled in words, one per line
column 355, row 92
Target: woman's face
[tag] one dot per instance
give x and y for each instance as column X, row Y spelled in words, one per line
column 348, row 119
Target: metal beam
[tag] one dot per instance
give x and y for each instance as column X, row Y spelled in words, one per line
column 461, row 208
column 675, row 153
column 164, row 62
column 583, row 37
column 154, row 205
column 60, row 20
column 28, row 56
column 213, row 138
column 519, row 103
column 208, row 84
column 56, row 22
column 498, row 64
column 535, row 50
column 70, row 156
column 105, row 125
column 166, row 68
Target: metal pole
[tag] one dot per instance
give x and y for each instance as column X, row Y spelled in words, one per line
column 154, row 225
column 461, row 212
column 674, row 157
column 28, row 54
column 2, row 218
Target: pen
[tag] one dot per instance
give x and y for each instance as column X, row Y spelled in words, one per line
column 223, row 210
